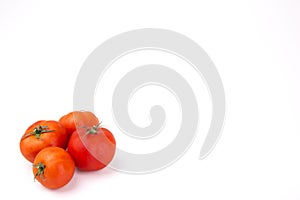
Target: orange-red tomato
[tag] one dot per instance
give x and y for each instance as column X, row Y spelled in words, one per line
column 42, row 134
column 92, row 148
column 53, row 167
column 78, row 119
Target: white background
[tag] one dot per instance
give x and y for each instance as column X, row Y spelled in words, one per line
column 254, row 44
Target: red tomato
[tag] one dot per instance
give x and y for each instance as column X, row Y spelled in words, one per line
column 78, row 119
column 92, row 148
column 53, row 167
column 42, row 134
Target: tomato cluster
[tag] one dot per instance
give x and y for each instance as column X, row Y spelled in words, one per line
column 56, row 148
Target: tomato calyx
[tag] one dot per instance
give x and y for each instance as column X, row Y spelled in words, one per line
column 93, row 130
column 38, row 131
column 41, row 168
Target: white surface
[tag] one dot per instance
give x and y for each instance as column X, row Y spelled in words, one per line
column 254, row 44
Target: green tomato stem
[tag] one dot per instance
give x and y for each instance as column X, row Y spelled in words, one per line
column 41, row 168
column 94, row 129
column 38, row 131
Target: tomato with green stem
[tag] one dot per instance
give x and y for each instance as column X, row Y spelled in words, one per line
column 53, row 167
column 42, row 134
column 92, row 148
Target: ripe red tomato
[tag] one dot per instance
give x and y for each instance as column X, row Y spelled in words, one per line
column 92, row 148
column 78, row 119
column 42, row 134
column 53, row 167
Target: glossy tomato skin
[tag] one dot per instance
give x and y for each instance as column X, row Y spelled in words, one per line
column 92, row 151
column 53, row 167
column 42, row 134
column 78, row 119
